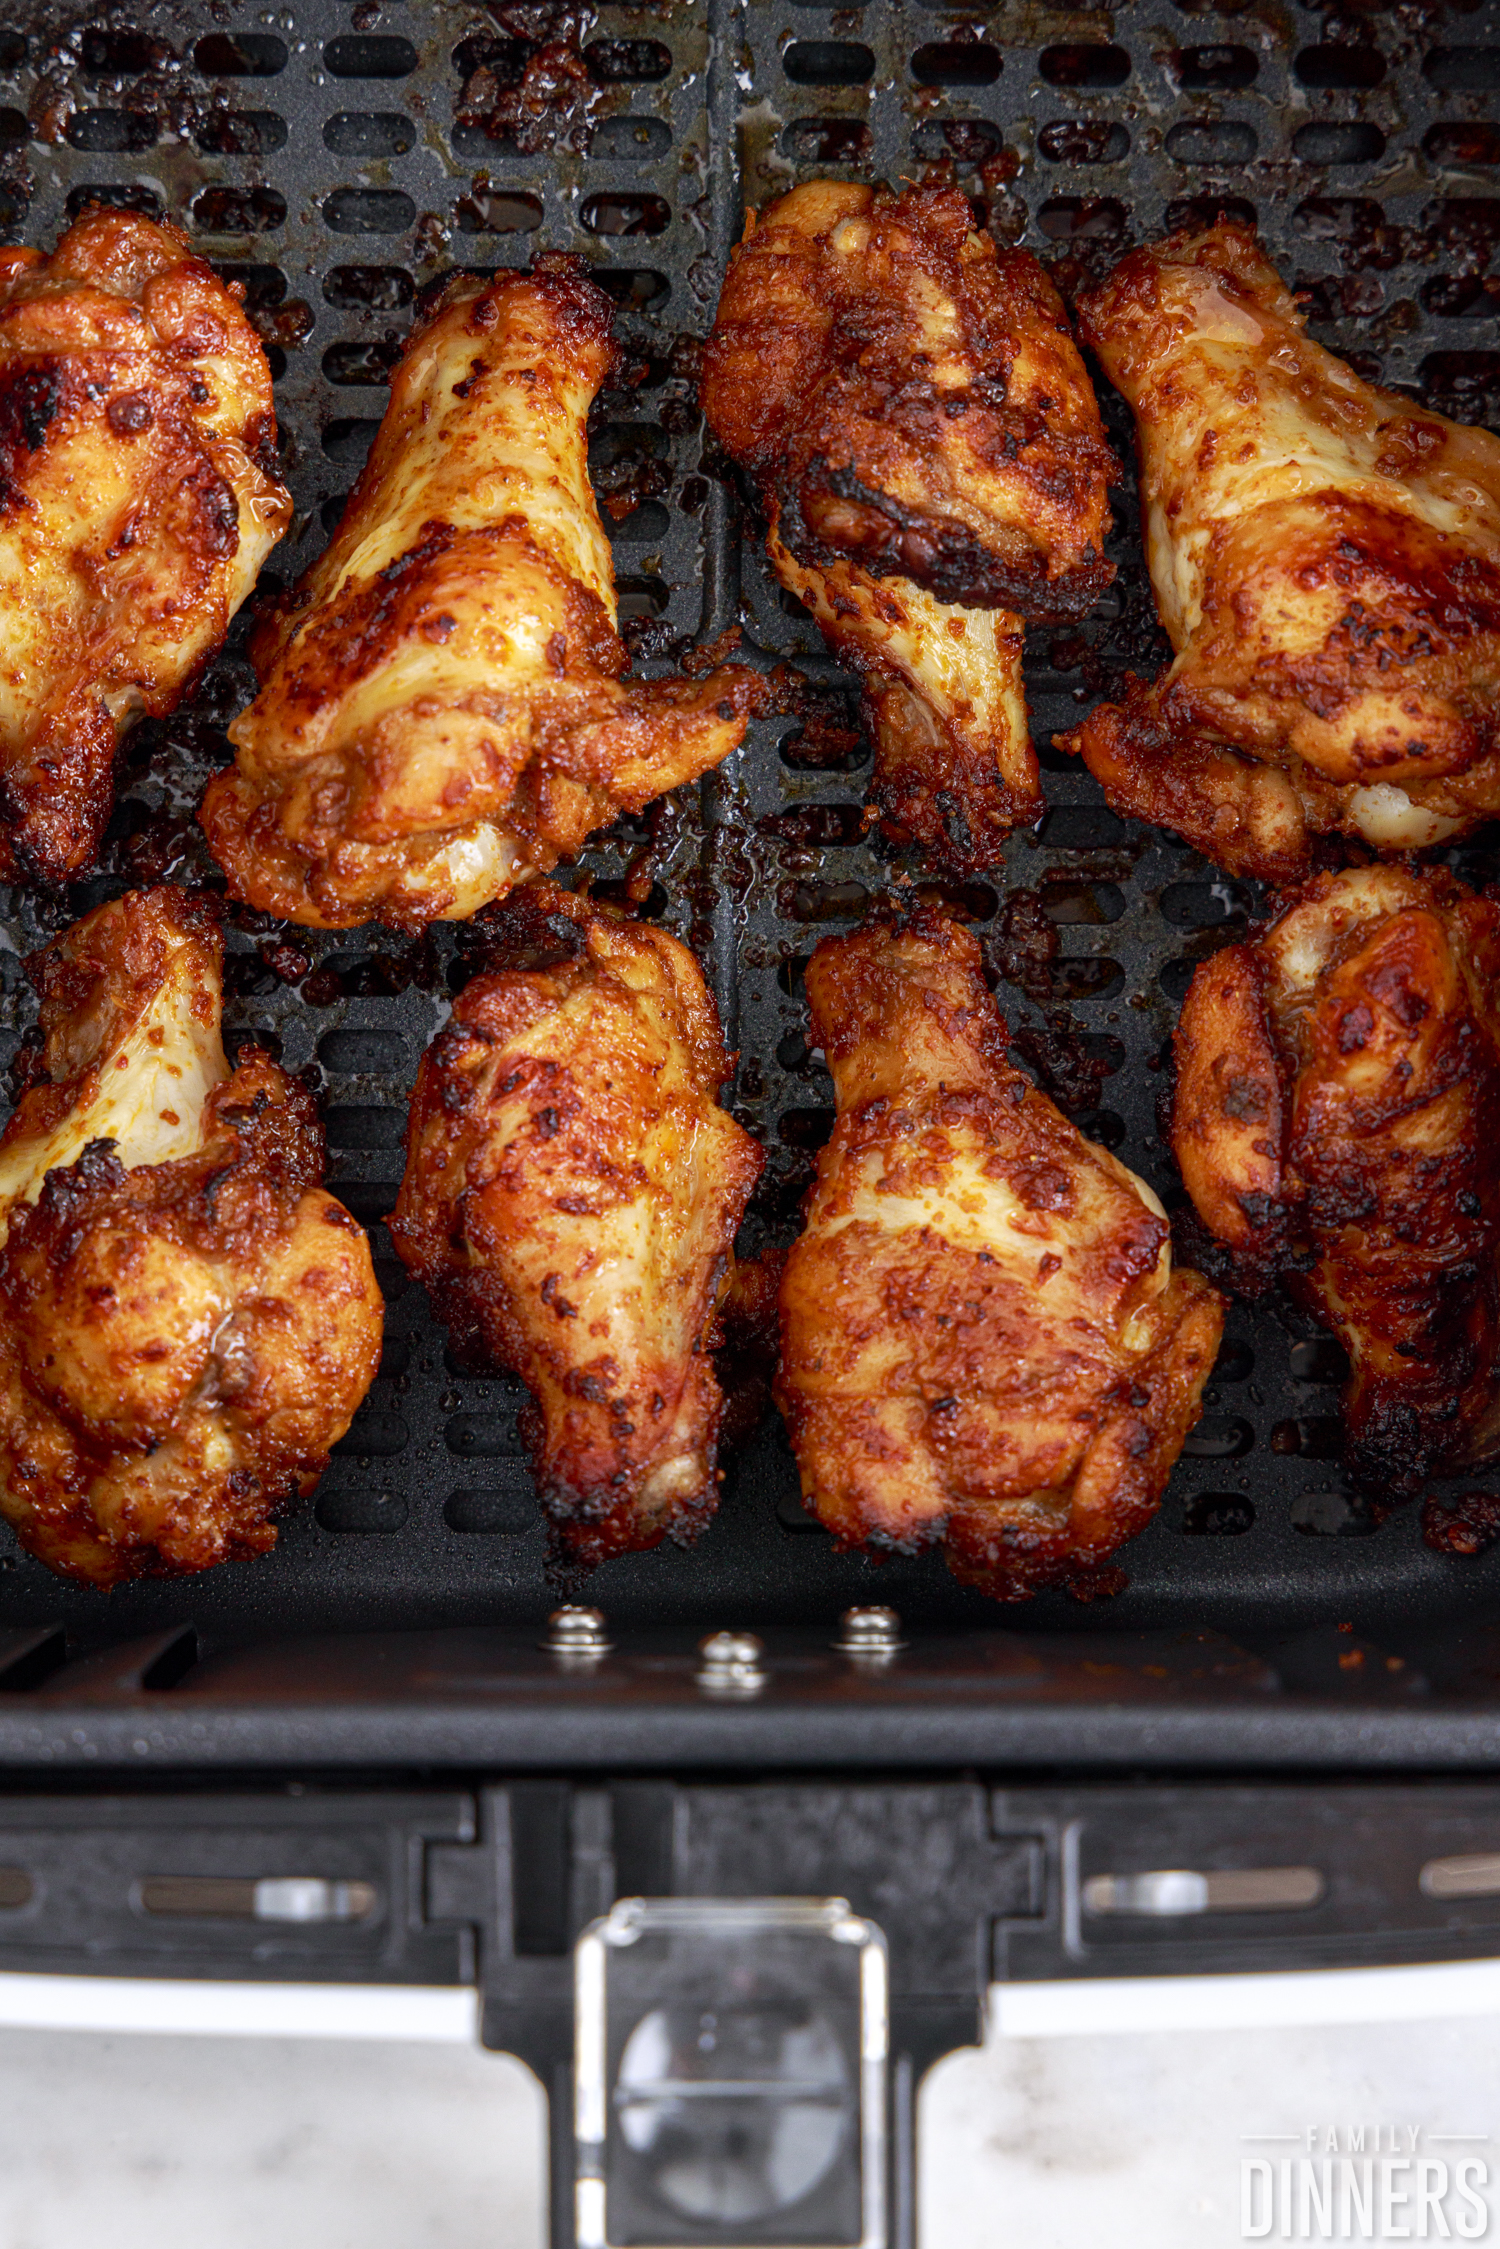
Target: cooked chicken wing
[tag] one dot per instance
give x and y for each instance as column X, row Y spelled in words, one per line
column 571, row 1198
column 929, row 455
column 139, row 496
column 984, row 1341
column 944, row 704
column 187, row 1322
column 444, row 708
column 1326, row 560
column 1337, row 1121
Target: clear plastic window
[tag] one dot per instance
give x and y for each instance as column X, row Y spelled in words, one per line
column 731, row 2069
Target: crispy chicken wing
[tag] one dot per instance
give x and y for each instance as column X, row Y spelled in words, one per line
column 571, row 1198
column 929, row 454
column 443, row 707
column 1337, row 1120
column 983, row 1337
column 139, row 496
column 1326, row 560
column 187, row 1322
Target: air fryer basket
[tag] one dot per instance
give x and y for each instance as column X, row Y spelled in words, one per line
column 338, row 162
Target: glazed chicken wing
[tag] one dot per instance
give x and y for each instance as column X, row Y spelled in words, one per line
column 984, row 1341
column 139, row 496
column 929, row 455
column 443, row 707
column 187, row 1322
column 571, row 1198
column 1337, row 1120
column 1326, row 560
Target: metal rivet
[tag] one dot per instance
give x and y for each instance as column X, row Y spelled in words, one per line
column 729, row 1664
column 870, row 1635
column 577, row 1635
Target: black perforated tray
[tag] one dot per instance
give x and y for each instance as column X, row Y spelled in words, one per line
column 315, row 153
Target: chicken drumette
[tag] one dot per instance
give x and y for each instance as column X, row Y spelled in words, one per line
column 443, row 707
column 1337, row 1121
column 1326, row 560
column 929, row 454
column 571, row 1198
column 187, row 1322
column 139, row 496
column 984, row 1341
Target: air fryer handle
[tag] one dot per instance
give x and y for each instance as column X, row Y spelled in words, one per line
column 921, row 2037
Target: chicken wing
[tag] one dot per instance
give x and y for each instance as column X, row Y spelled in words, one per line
column 139, row 496
column 187, row 1322
column 1326, row 560
column 929, row 454
column 571, row 1198
column 443, row 707
column 1337, row 1121
column 984, row 1341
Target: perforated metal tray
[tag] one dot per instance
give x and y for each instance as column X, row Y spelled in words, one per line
column 317, row 153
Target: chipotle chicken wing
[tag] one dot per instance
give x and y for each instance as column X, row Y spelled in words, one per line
column 139, row 497
column 187, row 1322
column 929, row 454
column 571, row 1198
column 1337, row 1120
column 1326, row 560
column 444, row 708
column 984, row 1340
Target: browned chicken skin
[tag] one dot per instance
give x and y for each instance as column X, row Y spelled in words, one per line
column 1337, row 1121
column 984, row 1341
column 571, row 1198
column 929, row 455
column 444, row 708
column 187, row 1322
column 139, row 496
column 1326, row 560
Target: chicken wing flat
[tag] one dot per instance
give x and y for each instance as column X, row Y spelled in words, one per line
column 187, row 1322
column 1337, row 1121
column 1326, row 560
column 139, row 496
column 443, row 707
column 571, row 1198
column 928, row 451
column 984, row 1341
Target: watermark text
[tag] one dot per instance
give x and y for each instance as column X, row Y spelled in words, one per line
column 1365, row 2182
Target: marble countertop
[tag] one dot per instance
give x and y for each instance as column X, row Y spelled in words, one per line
column 1135, row 2138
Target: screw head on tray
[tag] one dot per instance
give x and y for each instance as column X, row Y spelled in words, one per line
column 577, row 1635
column 872, row 1635
column 730, row 1664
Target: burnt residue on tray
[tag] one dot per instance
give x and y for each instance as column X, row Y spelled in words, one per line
column 528, row 82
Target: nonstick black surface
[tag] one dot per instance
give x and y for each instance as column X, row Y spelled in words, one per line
column 339, row 162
